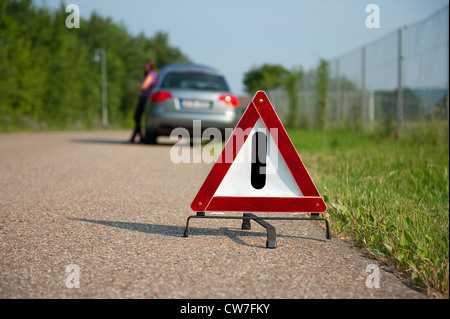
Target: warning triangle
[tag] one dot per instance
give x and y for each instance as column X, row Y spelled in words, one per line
column 259, row 169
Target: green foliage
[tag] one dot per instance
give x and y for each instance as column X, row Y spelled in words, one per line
column 265, row 77
column 49, row 79
column 291, row 84
column 270, row 76
column 390, row 196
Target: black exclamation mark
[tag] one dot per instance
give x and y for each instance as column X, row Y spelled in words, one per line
column 259, row 155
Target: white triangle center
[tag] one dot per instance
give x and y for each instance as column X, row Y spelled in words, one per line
column 279, row 180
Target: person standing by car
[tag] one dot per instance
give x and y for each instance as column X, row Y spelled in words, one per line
column 147, row 84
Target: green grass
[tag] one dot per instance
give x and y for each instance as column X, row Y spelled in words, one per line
column 390, row 196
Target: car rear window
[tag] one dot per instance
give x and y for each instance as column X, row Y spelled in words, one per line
column 194, row 81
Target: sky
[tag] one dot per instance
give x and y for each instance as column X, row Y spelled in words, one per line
column 235, row 35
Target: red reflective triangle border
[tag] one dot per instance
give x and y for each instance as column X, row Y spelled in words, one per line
column 311, row 201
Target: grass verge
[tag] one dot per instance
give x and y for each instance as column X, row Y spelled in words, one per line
column 390, row 196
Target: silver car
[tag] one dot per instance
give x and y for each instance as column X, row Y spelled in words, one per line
column 186, row 92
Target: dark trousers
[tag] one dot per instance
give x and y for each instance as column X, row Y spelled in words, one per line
column 137, row 117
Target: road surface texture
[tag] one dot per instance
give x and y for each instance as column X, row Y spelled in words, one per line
column 117, row 211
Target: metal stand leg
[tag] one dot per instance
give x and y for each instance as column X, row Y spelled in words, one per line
column 315, row 216
column 271, row 232
column 199, row 215
column 186, row 234
column 328, row 229
column 246, row 223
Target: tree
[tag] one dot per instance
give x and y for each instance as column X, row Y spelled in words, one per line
column 265, row 77
column 49, row 78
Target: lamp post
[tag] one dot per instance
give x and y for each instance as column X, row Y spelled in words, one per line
column 102, row 54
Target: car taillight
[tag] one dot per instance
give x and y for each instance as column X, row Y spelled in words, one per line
column 229, row 100
column 161, row 96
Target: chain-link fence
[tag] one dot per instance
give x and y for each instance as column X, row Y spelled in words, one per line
column 399, row 80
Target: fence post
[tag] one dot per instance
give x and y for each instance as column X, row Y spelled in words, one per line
column 338, row 94
column 363, row 84
column 371, row 110
column 399, row 86
column 305, row 109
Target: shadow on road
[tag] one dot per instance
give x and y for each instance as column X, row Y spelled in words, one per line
column 122, row 142
column 177, row 231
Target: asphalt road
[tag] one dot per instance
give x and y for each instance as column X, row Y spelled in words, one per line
column 117, row 212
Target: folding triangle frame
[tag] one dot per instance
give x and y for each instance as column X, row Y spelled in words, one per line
column 311, row 201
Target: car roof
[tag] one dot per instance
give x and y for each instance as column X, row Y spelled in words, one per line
column 184, row 66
